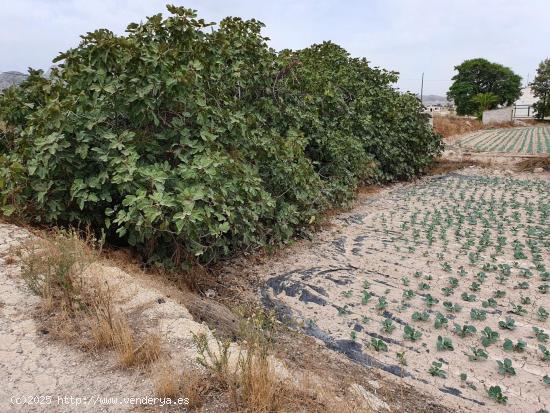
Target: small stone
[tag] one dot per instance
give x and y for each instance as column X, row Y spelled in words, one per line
column 538, row 170
column 210, row 293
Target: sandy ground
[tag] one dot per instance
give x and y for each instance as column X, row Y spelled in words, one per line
column 382, row 244
column 34, row 367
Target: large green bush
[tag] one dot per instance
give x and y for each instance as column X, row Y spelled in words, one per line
column 194, row 141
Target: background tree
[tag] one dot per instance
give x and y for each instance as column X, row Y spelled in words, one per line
column 481, row 76
column 485, row 101
column 541, row 89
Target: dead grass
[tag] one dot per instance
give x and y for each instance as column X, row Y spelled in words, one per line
column 249, row 379
column 53, row 268
column 78, row 306
column 455, row 125
column 110, row 329
column 531, row 163
column 443, row 166
column 451, row 126
column 9, row 260
column 190, row 384
column 166, row 382
column 194, row 385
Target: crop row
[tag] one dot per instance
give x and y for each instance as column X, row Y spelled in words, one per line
column 531, row 140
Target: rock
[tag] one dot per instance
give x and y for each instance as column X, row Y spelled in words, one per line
column 210, row 293
column 538, row 170
column 371, row 402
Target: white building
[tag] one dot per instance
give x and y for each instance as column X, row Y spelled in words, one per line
column 523, row 107
column 527, row 97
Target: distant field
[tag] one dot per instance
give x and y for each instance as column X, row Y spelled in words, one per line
column 529, row 140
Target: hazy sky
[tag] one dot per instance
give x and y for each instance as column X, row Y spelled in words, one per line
column 409, row 36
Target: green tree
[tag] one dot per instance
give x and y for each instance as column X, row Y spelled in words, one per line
column 541, row 89
column 191, row 142
column 485, row 101
column 481, row 76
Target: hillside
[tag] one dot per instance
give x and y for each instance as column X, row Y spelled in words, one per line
column 8, row 79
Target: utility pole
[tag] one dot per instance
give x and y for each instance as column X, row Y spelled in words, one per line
column 422, row 89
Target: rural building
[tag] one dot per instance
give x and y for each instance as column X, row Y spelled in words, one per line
column 523, row 107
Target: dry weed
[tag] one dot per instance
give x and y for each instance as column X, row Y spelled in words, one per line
column 78, row 303
column 251, row 383
column 194, row 385
column 128, row 351
column 531, row 163
column 455, row 125
column 9, row 260
column 166, row 381
column 261, row 390
column 53, row 268
column 216, row 360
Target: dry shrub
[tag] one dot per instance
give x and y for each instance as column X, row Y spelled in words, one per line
column 105, row 321
column 122, row 338
column 454, row 125
column 444, row 166
column 191, row 384
column 166, row 382
column 79, row 304
column 532, row 163
column 251, row 383
column 54, row 268
column 148, row 351
column 261, row 391
column 110, row 329
column 450, row 126
column 194, row 385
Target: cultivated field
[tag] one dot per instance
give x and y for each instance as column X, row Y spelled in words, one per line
column 445, row 283
column 527, row 140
